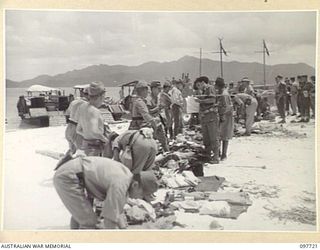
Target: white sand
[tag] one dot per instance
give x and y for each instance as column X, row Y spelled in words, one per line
column 31, row 203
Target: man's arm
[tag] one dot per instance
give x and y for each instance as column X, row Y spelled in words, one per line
column 97, row 126
column 117, row 146
column 144, row 112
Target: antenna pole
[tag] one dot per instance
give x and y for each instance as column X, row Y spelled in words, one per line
column 221, row 62
column 200, row 62
column 264, row 66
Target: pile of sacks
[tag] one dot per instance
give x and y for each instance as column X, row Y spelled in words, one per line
column 172, row 179
column 138, row 211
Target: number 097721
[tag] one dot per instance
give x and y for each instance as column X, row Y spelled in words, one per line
column 308, row 246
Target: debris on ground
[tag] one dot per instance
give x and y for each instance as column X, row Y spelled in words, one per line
column 256, row 190
column 300, row 214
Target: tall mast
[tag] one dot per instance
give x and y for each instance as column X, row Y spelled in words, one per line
column 200, row 62
column 221, row 62
column 264, row 65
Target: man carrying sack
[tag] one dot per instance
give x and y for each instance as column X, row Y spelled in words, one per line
column 106, row 180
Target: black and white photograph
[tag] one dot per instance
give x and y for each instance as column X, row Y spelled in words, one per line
column 160, row 120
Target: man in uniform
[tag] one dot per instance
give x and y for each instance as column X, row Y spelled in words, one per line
column 74, row 139
column 227, row 125
column 106, row 180
column 280, row 95
column 91, row 125
column 141, row 116
column 248, row 86
column 211, row 113
column 143, row 148
column 166, row 102
column 22, row 106
column 155, row 109
column 288, row 96
column 294, row 95
column 299, row 96
column 313, row 96
column 306, row 88
column 249, row 103
column 177, row 107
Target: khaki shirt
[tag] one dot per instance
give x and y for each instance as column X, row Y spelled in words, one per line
column 176, row 96
column 140, row 109
column 294, row 88
column 152, row 104
column 123, row 140
column 91, row 123
column 165, row 100
column 241, row 98
column 73, row 109
column 108, row 181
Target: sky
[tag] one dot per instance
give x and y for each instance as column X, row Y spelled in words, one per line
column 53, row 42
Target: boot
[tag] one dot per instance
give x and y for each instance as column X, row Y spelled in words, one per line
column 224, row 150
column 216, row 149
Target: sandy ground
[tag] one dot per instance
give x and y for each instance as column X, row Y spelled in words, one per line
column 31, row 203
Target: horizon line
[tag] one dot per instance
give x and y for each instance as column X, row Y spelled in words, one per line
column 76, row 69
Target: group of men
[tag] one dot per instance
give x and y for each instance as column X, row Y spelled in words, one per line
column 299, row 94
column 93, row 167
column 101, row 164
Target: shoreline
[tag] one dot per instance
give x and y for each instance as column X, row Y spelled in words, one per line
column 279, row 187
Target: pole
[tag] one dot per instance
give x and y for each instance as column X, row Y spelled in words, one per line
column 264, row 66
column 200, row 62
column 221, row 63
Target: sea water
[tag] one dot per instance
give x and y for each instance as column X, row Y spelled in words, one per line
column 12, row 96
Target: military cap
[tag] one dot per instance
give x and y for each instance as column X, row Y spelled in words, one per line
column 220, row 82
column 304, row 77
column 245, row 79
column 96, row 88
column 167, row 85
column 202, row 79
column 141, row 84
column 155, row 84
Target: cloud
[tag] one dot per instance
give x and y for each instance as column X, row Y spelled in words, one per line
column 51, row 42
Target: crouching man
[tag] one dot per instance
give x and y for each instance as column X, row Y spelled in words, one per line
column 143, row 149
column 106, row 180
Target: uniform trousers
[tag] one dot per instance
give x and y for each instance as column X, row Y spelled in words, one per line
column 305, row 107
column 210, row 134
column 69, row 183
column 144, row 152
column 177, row 119
column 294, row 103
column 281, row 105
column 250, row 112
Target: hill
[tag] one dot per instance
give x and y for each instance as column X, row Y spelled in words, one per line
column 114, row 75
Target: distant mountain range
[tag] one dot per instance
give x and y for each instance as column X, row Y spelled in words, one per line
column 115, row 75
